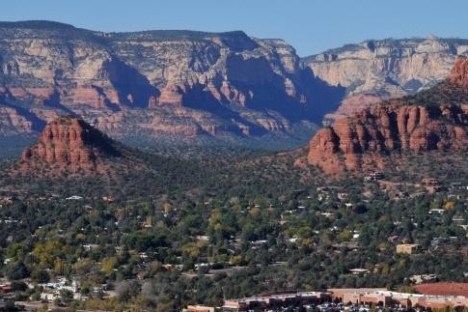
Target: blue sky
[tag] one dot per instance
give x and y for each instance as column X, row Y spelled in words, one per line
column 311, row 26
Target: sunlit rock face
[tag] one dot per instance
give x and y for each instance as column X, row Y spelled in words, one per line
column 69, row 145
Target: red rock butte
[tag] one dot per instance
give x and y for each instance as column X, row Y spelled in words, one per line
column 68, row 144
column 364, row 140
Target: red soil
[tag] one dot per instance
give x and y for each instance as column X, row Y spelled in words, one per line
column 447, row 289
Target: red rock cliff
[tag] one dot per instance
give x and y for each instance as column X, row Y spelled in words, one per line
column 363, row 140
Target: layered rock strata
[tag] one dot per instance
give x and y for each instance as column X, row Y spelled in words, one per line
column 150, row 83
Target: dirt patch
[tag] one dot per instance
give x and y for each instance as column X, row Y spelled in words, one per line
column 445, row 289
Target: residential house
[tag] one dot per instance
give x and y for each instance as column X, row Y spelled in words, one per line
column 198, row 308
column 407, row 248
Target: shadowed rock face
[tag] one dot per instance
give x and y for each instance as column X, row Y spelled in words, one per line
column 69, row 145
column 367, row 138
column 151, row 83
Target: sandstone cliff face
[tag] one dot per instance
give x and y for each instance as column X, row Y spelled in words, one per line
column 376, row 70
column 367, row 138
column 69, row 145
column 160, row 82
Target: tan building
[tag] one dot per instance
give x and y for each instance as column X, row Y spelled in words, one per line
column 407, row 248
column 198, row 308
column 361, row 295
column 385, row 297
column 267, row 301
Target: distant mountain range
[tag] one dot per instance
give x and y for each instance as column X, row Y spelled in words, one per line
column 156, row 87
column 152, row 85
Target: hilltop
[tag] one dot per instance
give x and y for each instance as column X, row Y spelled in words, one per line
column 69, row 145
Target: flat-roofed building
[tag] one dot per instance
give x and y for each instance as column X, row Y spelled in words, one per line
column 198, row 308
column 407, row 248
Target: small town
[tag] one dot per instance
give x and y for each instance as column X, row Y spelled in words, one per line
column 234, row 156
column 336, row 299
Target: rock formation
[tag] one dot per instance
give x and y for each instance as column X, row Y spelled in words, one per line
column 183, row 84
column 364, row 140
column 459, row 73
column 70, row 145
column 375, row 70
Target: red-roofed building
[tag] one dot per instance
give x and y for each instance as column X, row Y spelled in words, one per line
column 5, row 288
column 443, row 289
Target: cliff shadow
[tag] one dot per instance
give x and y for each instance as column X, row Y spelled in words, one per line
column 263, row 88
column 133, row 88
column 199, row 98
column 313, row 97
column 322, row 98
column 54, row 102
column 37, row 124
